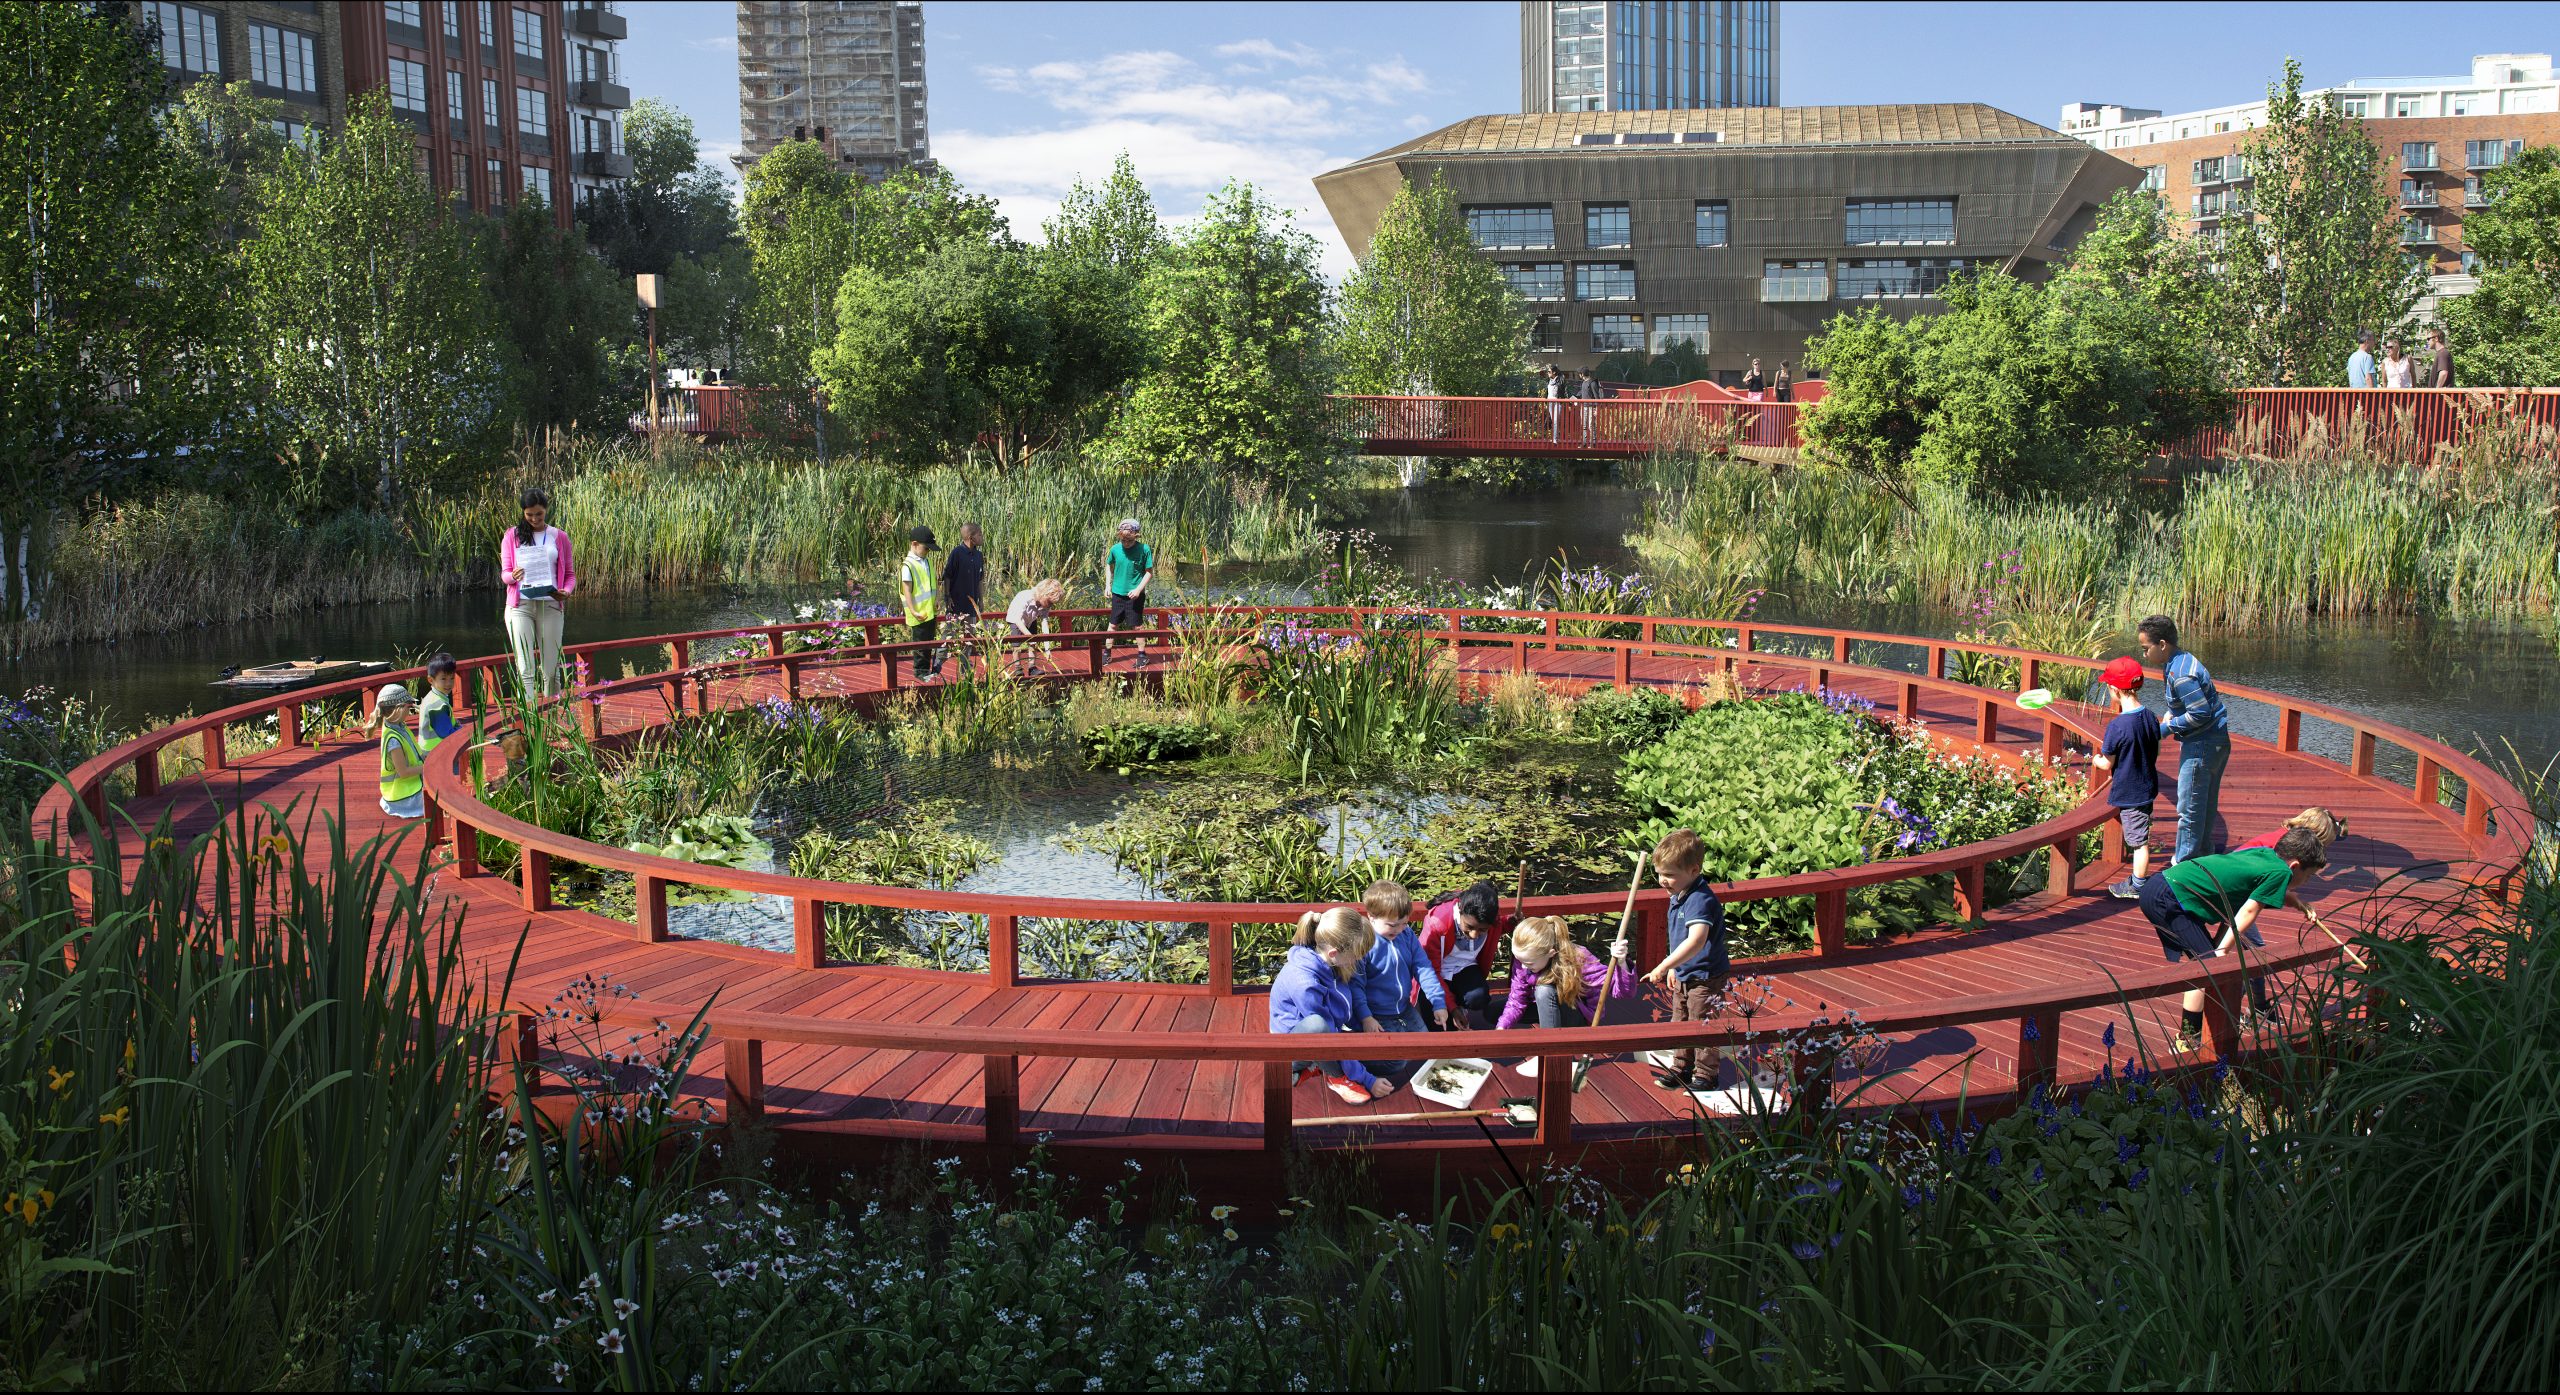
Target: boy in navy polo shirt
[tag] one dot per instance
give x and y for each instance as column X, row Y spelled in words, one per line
column 1696, row 968
column 2129, row 755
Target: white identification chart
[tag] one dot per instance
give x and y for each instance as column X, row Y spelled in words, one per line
column 537, row 563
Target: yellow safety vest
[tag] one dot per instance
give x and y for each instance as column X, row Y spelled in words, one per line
column 399, row 787
column 920, row 598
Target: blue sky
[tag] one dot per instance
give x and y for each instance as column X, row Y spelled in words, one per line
column 1026, row 97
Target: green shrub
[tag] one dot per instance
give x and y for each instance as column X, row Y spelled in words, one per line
column 1126, row 746
column 1627, row 719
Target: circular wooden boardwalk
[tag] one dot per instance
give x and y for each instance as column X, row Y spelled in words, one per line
column 2052, row 988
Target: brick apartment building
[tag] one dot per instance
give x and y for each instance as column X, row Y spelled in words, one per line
column 503, row 95
column 2437, row 135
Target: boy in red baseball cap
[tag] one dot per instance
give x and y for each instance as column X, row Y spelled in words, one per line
column 2129, row 755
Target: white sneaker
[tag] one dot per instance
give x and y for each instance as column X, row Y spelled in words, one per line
column 1529, row 1068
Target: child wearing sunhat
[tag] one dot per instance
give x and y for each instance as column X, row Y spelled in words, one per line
column 403, row 764
column 2129, row 756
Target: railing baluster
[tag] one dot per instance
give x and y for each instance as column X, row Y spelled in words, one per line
column 2360, row 763
column 742, row 1079
column 1831, row 920
column 146, row 772
column 215, row 757
column 1279, row 1107
column 1987, row 728
column 808, row 933
column 2289, row 730
column 1003, row 1099
column 533, row 878
column 1970, row 902
column 1004, row 952
column 649, row 900
column 289, row 725
column 2062, row 864
column 1555, row 1101
column 1222, row 958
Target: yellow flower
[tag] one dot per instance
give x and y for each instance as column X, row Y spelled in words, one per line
column 1618, row 1230
column 45, row 1195
column 277, row 846
column 162, row 844
column 1287, row 1212
column 128, row 1053
column 1504, row 1231
column 122, row 1114
column 61, row 1080
column 1220, row 1213
column 27, row 1210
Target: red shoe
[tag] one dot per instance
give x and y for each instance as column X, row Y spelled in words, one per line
column 1345, row 1091
column 1305, row 1074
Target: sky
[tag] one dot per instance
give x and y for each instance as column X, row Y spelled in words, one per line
column 1024, row 98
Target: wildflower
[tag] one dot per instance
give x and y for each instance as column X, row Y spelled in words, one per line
column 560, row 1372
column 23, row 1208
column 1220, row 1213
column 611, row 1341
column 61, row 1080
column 276, row 846
column 1231, row 1232
column 119, row 1116
column 1503, row 1231
column 623, row 1308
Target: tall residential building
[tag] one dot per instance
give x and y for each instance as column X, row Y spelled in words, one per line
column 2437, row 135
column 1738, row 233
column 1647, row 55
column 502, row 95
column 849, row 76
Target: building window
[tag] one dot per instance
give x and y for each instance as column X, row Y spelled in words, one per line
column 528, row 33
column 2222, row 169
column 461, row 177
column 2155, row 178
column 2413, row 193
column 2217, row 203
column 1606, row 225
column 2408, row 106
column 488, row 39
column 453, row 30
column 2358, row 107
column 292, row 131
column 190, row 38
column 1901, row 222
column 1535, row 280
column 282, row 59
column 1547, row 335
column 455, row 113
column 2472, row 197
column 1581, row 57
column 537, row 180
column 533, row 114
column 1617, row 333
column 1512, row 227
column 403, row 12
column 1896, row 278
column 489, row 108
column 2470, row 263
column 496, row 174
column 2418, row 155
column 1714, row 227
column 1669, row 330
column 1795, row 280
column 1604, row 280
column 2489, row 154
column 408, row 85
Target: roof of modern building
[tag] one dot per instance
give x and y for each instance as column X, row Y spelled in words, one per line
column 1932, row 123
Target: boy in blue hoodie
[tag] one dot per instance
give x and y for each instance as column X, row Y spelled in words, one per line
column 1395, row 973
column 1314, row 995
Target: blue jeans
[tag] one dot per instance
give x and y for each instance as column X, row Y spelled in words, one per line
column 1313, row 1026
column 1412, row 1019
column 1552, row 1013
column 2200, row 763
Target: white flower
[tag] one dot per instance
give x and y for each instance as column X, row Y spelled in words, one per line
column 623, row 1308
column 611, row 1341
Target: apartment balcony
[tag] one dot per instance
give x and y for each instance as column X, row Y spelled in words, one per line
column 604, row 164
column 1775, row 290
column 2423, row 198
column 597, row 93
column 2417, row 235
column 597, row 22
column 2475, row 200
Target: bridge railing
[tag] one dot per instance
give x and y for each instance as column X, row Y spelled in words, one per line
column 1536, row 425
column 2410, row 425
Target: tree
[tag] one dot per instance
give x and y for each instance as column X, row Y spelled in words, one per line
column 703, row 312
column 2507, row 332
column 799, row 226
column 568, row 322
column 1113, row 226
column 914, row 213
column 374, row 335
column 1100, row 246
column 976, row 341
column 1235, row 320
column 2317, row 255
column 1424, row 313
column 106, row 302
column 672, row 208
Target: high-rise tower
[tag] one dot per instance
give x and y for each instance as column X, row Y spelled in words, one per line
column 1647, row 55
column 850, row 76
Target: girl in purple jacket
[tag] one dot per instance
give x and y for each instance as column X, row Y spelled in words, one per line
column 1313, row 995
column 1558, row 978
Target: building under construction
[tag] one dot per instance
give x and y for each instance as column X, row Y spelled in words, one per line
column 849, row 76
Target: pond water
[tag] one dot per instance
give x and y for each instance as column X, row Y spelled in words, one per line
column 2475, row 684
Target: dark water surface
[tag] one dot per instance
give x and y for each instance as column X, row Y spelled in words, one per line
column 2475, row 684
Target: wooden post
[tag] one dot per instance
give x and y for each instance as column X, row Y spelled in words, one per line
column 2039, row 1051
column 1809, row 1078
column 1970, row 904
column 1742, row 639
column 2430, row 781
column 214, row 756
column 773, row 643
column 289, row 725
column 1907, row 701
column 2062, row 863
column 2221, row 1023
column 1004, row 1100
column 1004, row 953
column 742, row 1073
column 519, row 1039
column 1839, row 649
column 1222, row 958
column 791, row 677
column 1987, row 729
column 683, row 652
column 1625, row 676
column 1831, row 920
column 1279, row 1110
column 1937, row 661
column 146, row 772
column 2052, row 739
column 1555, row 1101
column 649, row 898
column 534, row 878
column 2289, row 730
column 2030, row 669
column 2361, row 761
column 808, row 934
column 466, row 850
column 1653, row 932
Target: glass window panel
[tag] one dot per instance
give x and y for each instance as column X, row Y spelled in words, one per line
column 528, row 33
column 1896, row 278
column 1670, row 330
column 190, row 37
column 533, row 114
column 408, row 85
column 1612, row 333
column 2418, row 155
column 454, row 111
column 1875, row 222
column 1523, row 227
column 402, row 12
column 1604, row 280
column 1606, row 225
column 1535, row 280
column 1714, row 223
column 1547, row 333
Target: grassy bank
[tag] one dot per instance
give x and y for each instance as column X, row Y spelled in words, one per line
column 232, row 1161
column 687, row 516
column 2250, row 544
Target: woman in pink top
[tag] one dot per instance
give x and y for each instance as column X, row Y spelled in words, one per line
column 533, row 560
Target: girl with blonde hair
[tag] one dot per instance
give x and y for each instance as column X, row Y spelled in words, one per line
column 1312, row 994
column 1558, row 978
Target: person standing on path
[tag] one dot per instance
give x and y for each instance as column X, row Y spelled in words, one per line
column 964, row 576
column 534, row 562
column 916, row 596
column 2360, row 363
column 2440, row 371
column 1132, row 566
column 1555, row 413
column 2398, row 371
column 1752, row 381
column 1589, row 390
column 2203, row 728
column 1786, row 388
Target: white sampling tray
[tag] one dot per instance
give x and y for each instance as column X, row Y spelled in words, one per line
column 1471, row 1073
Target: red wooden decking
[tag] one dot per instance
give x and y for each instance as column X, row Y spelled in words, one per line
column 1211, row 1105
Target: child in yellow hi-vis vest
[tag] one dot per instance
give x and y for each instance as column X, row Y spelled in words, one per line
column 916, row 593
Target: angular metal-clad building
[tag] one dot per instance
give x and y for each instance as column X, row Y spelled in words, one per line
column 1740, row 230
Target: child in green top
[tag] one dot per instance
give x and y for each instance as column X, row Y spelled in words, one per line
column 2200, row 906
column 1133, row 565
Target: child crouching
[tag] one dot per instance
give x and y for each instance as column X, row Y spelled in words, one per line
column 1313, row 994
column 1557, row 978
column 1395, row 980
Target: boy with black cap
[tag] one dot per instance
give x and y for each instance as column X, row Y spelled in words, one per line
column 2129, row 756
column 916, row 594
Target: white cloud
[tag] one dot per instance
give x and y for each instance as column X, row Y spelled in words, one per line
column 715, row 43
column 1275, row 116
